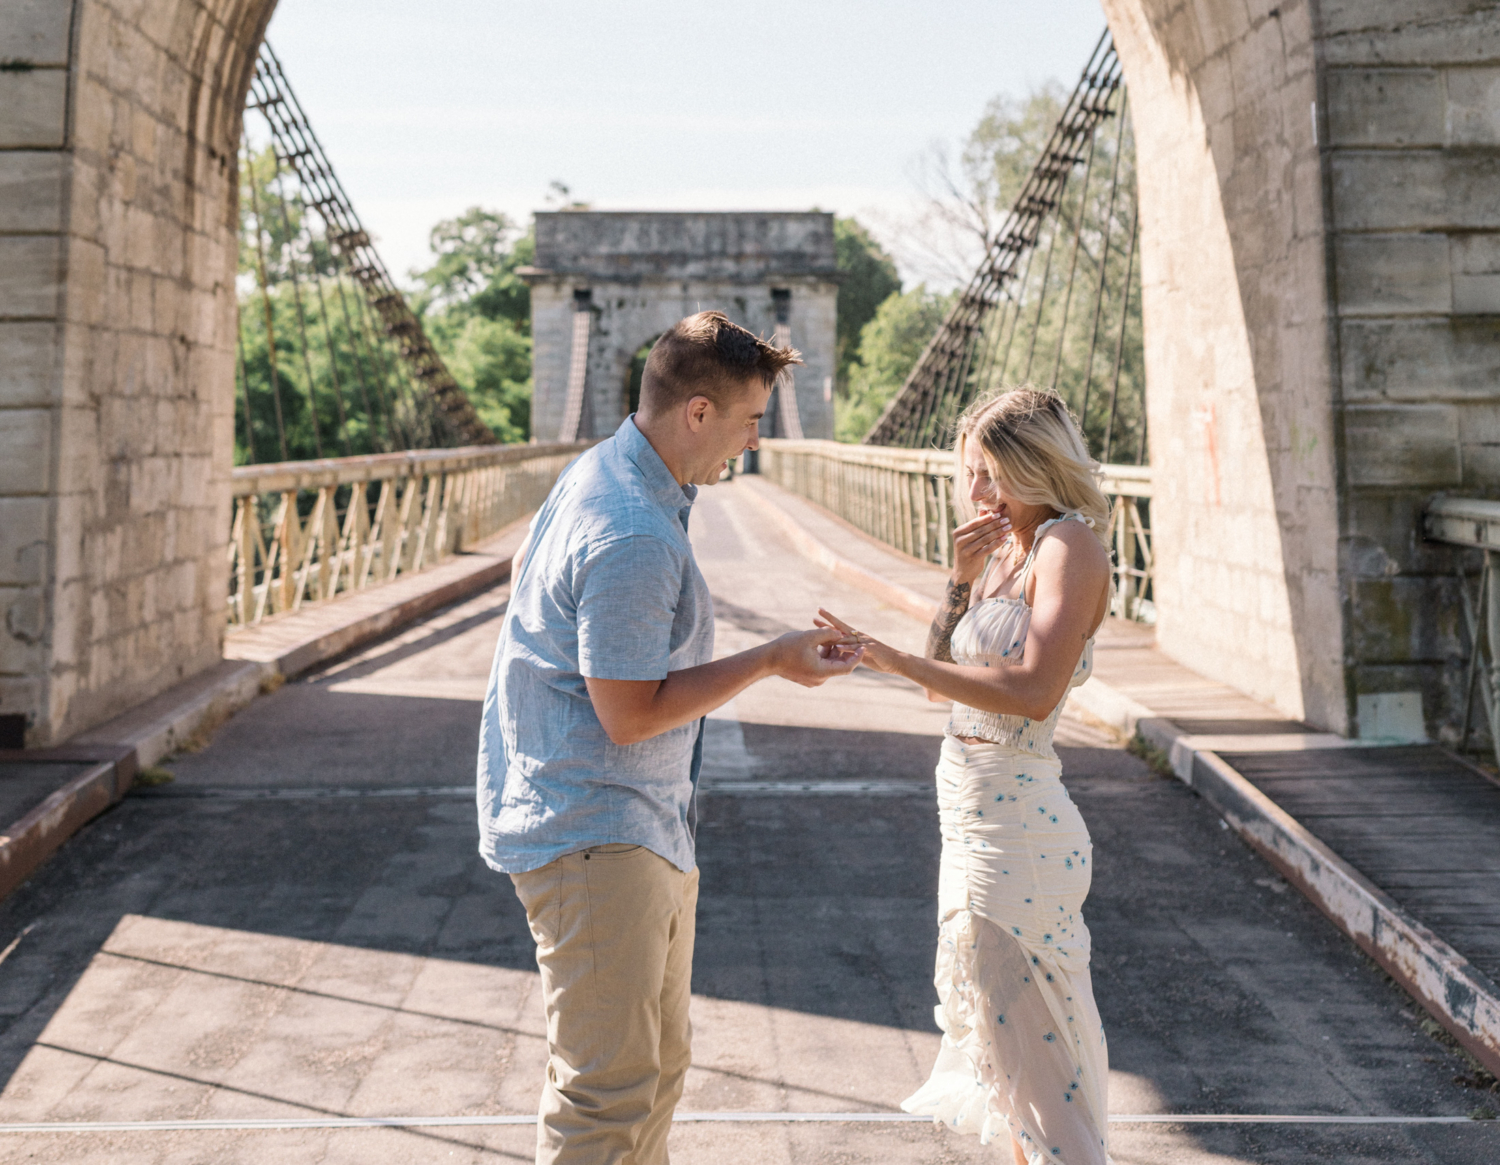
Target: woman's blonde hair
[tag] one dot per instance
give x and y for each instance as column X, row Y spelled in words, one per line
column 1033, row 445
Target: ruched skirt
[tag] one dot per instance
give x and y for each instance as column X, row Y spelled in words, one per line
column 1023, row 1050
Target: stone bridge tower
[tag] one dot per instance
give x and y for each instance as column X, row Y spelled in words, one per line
column 638, row 273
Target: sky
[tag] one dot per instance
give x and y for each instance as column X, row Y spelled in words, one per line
column 427, row 109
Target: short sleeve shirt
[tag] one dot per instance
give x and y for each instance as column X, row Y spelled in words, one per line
column 609, row 590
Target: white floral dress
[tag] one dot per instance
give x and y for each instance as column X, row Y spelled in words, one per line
column 1023, row 1050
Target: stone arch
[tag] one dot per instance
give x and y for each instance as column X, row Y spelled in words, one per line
column 119, row 137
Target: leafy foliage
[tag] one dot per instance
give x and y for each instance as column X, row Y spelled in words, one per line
column 869, row 280
column 477, row 311
column 889, row 346
column 335, row 386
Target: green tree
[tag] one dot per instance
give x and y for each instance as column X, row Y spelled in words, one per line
column 338, row 386
column 889, row 345
column 869, row 280
column 477, row 311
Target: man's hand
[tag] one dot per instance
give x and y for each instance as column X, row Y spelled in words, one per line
column 635, row 710
column 811, row 657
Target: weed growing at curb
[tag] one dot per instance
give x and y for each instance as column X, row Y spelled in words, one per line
column 153, row 775
column 1156, row 760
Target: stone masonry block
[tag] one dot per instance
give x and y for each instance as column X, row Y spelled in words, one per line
column 30, row 356
column 1404, row 619
column 1385, row 107
column 1476, row 274
column 36, row 31
column 30, row 275
column 1421, row 360
column 23, row 540
column 1376, row 32
column 20, row 614
column 1474, row 106
column 1385, row 190
column 33, row 108
column 31, row 191
column 25, row 451
column 1415, row 446
column 1393, row 274
column 1344, row 16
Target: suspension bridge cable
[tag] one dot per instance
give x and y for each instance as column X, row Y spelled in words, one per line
column 265, row 292
column 333, row 363
column 357, row 341
column 1083, row 198
column 291, row 262
column 1041, row 300
column 1114, row 384
column 244, row 379
column 450, row 411
column 1109, row 222
column 980, row 335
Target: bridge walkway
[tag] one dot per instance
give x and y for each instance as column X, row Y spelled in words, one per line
column 297, row 930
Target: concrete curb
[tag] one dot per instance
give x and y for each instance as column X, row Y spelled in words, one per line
column 32, row 839
column 175, row 718
column 1455, row 993
column 143, row 736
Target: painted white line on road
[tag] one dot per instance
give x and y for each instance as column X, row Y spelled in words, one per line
column 434, row 1122
column 819, row 788
column 718, row 788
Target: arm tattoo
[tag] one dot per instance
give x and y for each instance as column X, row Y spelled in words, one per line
column 940, row 634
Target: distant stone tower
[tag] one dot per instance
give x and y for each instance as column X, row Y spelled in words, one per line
column 606, row 283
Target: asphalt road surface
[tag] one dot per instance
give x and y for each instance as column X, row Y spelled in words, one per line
column 299, row 928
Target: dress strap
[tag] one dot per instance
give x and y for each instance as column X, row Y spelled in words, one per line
column 1071, row 516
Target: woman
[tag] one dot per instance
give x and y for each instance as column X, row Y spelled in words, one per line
column 1023, row 1051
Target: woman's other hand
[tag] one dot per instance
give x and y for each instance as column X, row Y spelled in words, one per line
column 975, row 541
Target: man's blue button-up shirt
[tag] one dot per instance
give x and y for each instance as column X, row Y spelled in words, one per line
column 608, row 589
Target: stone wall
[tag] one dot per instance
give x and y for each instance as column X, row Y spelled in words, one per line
column 1321, row 283
column 1412, row 93
column 119, row 125
column 645, row 271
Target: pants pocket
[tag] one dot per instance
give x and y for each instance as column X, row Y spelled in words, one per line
column 612, row 852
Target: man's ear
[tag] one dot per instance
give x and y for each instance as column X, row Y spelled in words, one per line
column 698, row 409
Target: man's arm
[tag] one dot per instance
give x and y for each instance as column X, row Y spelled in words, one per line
column 635, row 710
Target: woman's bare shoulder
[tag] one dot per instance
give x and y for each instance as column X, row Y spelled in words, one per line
column 1073, row 540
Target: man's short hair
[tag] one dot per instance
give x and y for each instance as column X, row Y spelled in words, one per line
column 708, row 355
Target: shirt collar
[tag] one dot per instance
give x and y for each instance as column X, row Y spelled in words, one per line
column 659, row 480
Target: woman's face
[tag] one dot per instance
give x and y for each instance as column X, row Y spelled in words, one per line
column 987, row 494
column 990, row 495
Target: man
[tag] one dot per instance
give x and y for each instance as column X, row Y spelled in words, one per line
column 592, row 738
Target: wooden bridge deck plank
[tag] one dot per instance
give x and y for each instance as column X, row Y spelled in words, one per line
column 1421, row 825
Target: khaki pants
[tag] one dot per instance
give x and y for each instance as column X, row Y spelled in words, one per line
column 614, row 930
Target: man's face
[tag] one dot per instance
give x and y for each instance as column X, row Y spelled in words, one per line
column 727, row 432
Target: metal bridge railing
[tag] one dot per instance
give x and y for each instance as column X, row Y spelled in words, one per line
column 305, row 531
column 904, row 498
column 1475, row 523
